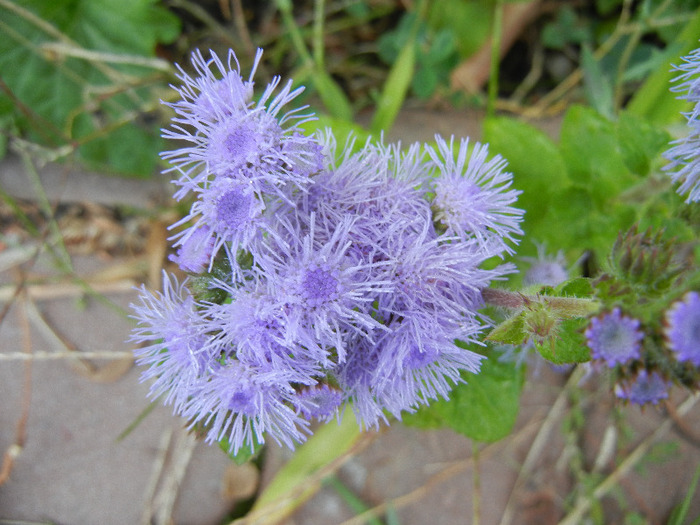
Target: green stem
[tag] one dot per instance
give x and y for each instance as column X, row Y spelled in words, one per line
column 285, row 9
column 319, row 17
column 495, row 57
column 567, row 306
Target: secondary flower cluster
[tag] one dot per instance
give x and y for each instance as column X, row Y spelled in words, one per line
column 617, row 340
column 332, row 275
column 649, row 332
column 684, row 156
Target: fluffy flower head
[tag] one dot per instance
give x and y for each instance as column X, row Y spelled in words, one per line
column 472, row 194
column 614, row 338
column 683, row 328
column 684, row 155
column 645, row 388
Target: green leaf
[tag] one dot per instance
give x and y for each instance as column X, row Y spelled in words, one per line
column 510, row 332
column 244, row 454
column 592, row 155
column 76, row 99
column 577, row 287
column 640, row 142
column 455, row 15
column 333, row 98
column 298, row 479
column 538, row 170
column 484, row 408
column 652, row 100
column 395, row 89
column 569, row 347
column 597, row 86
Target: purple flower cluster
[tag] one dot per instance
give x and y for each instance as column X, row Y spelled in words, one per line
column 616, row 340
column 684, row 156
column 351, row 271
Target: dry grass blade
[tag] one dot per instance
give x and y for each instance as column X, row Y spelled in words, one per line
column 14, row 450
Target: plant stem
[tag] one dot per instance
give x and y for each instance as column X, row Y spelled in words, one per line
column 495, row 57
column 583, row 503
column 567, row 306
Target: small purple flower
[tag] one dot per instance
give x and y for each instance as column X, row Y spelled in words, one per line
column 683, row 328
column 179, row 352
column 319, row 402
column 644, row 388
column 473, row 195
column 230, row 211
column 684, row 156
column 245, row 404
column 614, row 338
column 545, row 270
column 195, row 250
column 232, row 136
column 320, row 290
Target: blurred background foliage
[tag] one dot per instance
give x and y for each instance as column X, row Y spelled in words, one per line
column 83, row 78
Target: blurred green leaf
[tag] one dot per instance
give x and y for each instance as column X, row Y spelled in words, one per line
column 538, row 171
column 458, row 15
column 597, row 85
column 244, row 454
column 334, row 99
column 565, row 29
column 395, row 89
column 640, row 142
column 590, row 149
column 74, row 98
column 652, row 100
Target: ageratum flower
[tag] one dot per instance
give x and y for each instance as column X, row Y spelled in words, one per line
column 614, row 338
column 473, row 197
column 177, row 354
column 684, row 156
column 320, row 402
column 346, row 292
column 227, row 214
column 244, row 405
column 545, row 269
column 683, row 328
column 321, row 293
column 645, row 388
column 233, row 136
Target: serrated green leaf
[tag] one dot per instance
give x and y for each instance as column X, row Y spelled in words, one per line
column 569, row 347
column 509, row 332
